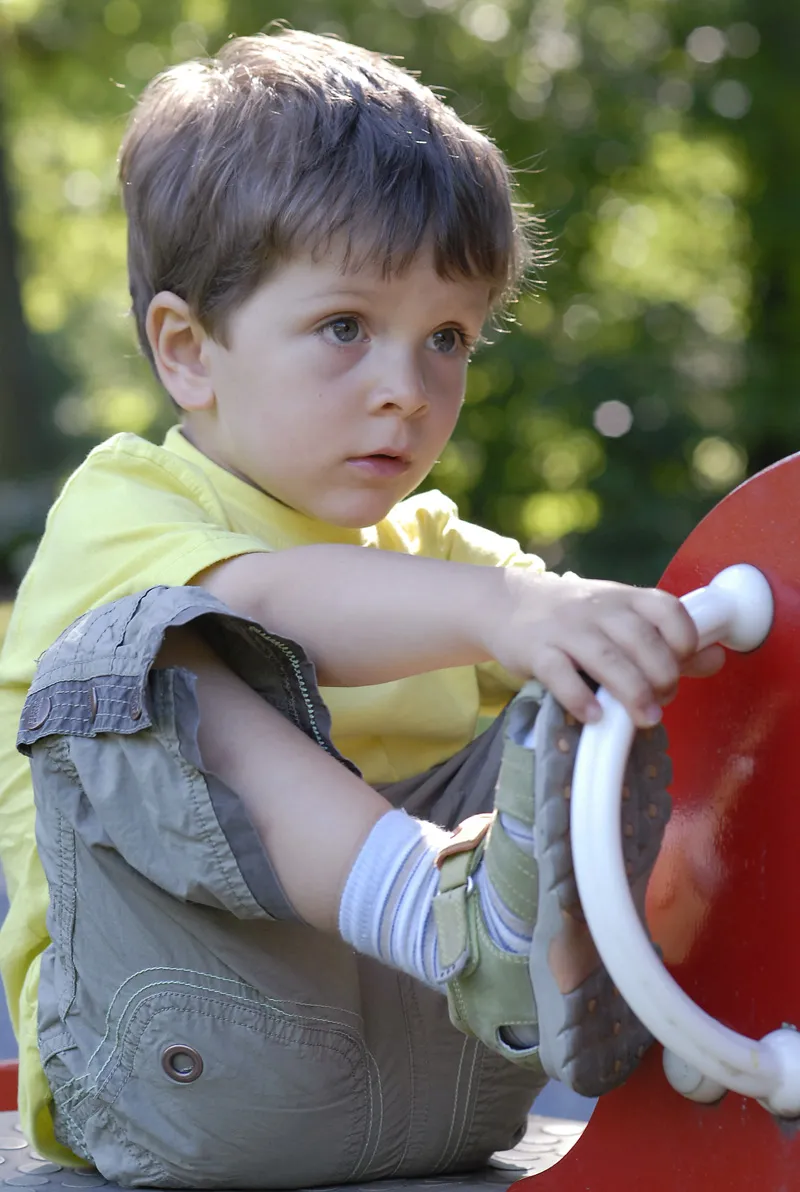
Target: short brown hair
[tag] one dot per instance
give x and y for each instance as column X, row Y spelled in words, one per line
column 287, row 140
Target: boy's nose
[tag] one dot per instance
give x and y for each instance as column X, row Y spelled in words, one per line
column 400, row 387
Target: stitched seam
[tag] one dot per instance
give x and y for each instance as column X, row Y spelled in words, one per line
column 469, row 1106
column 271, row 1003
column 522, row 867
column 165, row 986
column 139, row 1156
column 344, row 1051
column 115, row 1060
column 407, row 989
column 437, row 1166
column 362, row 1163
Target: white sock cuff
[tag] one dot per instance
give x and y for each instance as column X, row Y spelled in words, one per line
column 369, row 884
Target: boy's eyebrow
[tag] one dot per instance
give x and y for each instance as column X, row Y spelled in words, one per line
column 354, row 291
column 336, row 291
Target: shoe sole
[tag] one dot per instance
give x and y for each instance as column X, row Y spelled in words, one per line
column 589, row 1037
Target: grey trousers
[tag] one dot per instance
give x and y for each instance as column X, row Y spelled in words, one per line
column 193, row 1032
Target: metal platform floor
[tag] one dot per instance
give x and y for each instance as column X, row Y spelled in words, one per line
column 545, row 1142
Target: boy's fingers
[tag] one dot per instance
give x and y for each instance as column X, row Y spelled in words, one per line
column 612, row 667
column 604, row 661
column 640, row 641
column 670, row 618
column 704, row 663
column 556, row 671
column 667, row 696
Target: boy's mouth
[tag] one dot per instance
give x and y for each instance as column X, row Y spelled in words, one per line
column 386, row 463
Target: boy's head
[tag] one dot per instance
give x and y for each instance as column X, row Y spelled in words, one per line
column 293, row 150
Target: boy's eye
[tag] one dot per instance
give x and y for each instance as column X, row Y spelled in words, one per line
column 448, row 340
column 344, row 330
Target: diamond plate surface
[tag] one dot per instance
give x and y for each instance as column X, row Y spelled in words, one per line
column 546, row 1141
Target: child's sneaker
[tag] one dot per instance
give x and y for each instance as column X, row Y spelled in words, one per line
column 589, row 1038
column 490, row 995
column 556, row 1010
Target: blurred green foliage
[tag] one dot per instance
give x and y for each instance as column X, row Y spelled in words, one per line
column 654, row 370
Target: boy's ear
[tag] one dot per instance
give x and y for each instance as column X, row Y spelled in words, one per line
column 176, row 341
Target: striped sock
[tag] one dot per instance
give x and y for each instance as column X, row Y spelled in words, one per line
column 386, row 910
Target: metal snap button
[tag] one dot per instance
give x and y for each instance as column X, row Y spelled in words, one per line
column 181, row 1063
column 38, row 711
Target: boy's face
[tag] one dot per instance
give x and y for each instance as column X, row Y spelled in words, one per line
column 338, row 391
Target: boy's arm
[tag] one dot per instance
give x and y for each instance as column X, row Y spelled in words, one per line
column 367, row 616
column 363, row 616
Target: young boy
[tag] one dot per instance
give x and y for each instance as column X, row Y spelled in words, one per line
column 226, row 952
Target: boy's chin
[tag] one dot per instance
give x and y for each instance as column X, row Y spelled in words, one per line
column 356, row 514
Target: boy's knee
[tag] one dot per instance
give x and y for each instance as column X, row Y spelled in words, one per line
column 182, row 646
column 111, row 723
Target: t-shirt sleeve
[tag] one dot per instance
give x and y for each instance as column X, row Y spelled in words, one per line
column 130, row 518
column 433, row 528
column 148, row 518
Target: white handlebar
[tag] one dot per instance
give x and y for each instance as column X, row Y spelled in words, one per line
column 703, row 1058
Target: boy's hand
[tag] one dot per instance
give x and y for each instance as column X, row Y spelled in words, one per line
column 636, row 642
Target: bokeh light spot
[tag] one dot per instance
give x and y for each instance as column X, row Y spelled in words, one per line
column 144, row 60
column 122, row 17
column 715, row 314
column 546, row 517
column 676, row 93
column 706, row 44
column 730, row 99
column 718, row 464
column 613, row 419
column 743, row 40
column 489, row 22
column 83, row 189
column 581, row 321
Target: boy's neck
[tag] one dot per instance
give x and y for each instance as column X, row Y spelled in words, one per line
column 295, row 519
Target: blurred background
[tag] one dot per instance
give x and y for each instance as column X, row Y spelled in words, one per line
column 654, row 368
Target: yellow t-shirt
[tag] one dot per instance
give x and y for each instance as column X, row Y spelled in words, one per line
column 135, row 515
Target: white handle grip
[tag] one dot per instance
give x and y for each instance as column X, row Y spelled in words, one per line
column 736, row 609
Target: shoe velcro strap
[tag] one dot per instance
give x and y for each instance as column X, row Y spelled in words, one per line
column 456, row 862
column 512, row 872
column 466, row 838
column 514, row 793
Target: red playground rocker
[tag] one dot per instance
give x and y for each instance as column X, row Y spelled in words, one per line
column 718, row 1107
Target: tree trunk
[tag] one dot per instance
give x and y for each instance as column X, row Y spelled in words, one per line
column 22, row 426
column 773, row 143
